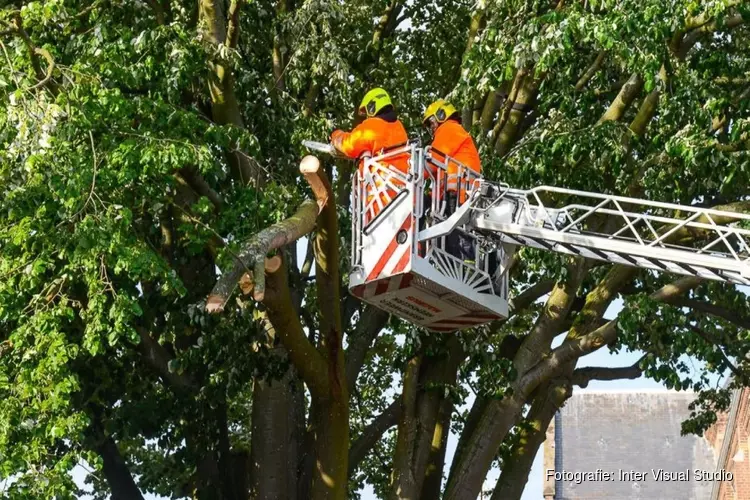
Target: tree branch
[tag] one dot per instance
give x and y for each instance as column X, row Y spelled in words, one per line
column 476, row 24
column 120, row 480
column 233, row 24
column 307, row 264
column 739, row 207
column 582, row 376
column 712, row 309
column 196, row 181
column 690, row 38
column 645, row 113
column 286, row 325
column 510, row 100
column 591, row 70
column 522, row 301
column 491, row 105
column 605, row 334
column 384, row 28
column 624, row 98
column 158, row 357
column 705, row 336
column 516, row 109
column 530, row 295
column 225, row 108
column 44, row 77
column 310, row 97
column 552, row 318
column 373, row 433
column 371, row 322
column 254, row 252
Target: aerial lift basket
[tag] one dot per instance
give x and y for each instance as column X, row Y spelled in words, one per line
column 399, row 270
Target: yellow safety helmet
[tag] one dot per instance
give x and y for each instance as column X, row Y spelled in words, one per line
column 374, row 101
column 440, row 109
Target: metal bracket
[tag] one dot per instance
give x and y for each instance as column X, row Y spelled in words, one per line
column 460, row 217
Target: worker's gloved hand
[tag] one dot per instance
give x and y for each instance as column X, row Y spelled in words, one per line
column 337, row 137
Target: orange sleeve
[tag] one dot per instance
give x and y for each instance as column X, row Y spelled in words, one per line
column 447, row 140
column 354, row 143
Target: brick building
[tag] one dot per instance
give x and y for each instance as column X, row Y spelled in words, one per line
column 729, row 438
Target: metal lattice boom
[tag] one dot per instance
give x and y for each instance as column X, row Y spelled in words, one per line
column 646, row 234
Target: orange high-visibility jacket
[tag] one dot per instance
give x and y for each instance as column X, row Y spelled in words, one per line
column 374, row 135
column 453, row 140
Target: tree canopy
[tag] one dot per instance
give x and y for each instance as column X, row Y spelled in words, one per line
column 151, row 161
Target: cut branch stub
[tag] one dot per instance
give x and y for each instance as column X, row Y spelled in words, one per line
column 247, row 284
column 310, row 168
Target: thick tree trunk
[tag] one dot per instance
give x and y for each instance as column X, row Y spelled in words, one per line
column 330, row 408
column 472, row 420
column 433, row 478
column 120, row 481
column 515, row 473
column 403, row 483
column 331, row 431
column 470, row 468
column 490, row 428
column 275, row 437
column 424, row 427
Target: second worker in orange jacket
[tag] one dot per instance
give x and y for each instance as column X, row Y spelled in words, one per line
column 451, row 140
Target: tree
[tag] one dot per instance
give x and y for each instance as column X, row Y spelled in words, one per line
column 147, row 144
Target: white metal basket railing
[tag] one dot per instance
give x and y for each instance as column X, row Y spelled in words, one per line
column 376, row 183
column 437, row 168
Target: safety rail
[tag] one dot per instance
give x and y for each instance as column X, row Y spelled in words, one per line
column 437, row 171
column 438, row 167
column 377, row 184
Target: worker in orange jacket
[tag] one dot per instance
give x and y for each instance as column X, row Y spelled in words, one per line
column 450, row 139
column 379, row 132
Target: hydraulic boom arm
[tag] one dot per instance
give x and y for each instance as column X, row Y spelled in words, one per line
column 445, row 269
column 646, row 234
column 707, row 243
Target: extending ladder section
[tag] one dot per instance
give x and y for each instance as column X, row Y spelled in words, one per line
column 680, row 239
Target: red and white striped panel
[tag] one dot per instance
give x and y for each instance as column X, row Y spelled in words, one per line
column 395, row 258
column 381, row 286
column 462, row 322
